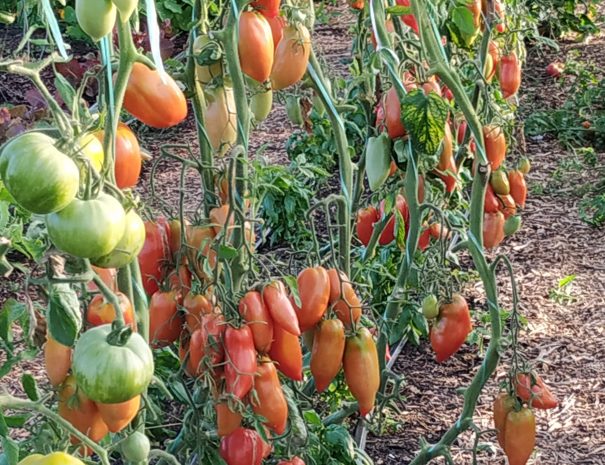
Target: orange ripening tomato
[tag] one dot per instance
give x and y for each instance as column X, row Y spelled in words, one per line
column 287, row 352
column 343, row 298
column 280, row 307
column 366, row 217
column 388, row 233
column 491, row 203
column 157, row 104
column 101, row 312
column 519, row 436
column 255, row 46
column 57, row 360
column 277, row 24
column 227, row 421
column 446, row 168
column 268, row 8
column 531, row 389
column 291, row 57
column 503, row 404
column 494, row 51
column 128, row 158
column 408, row 20
column 242, row 447
column 507, row 205
column 362, row 371
column 510, row 74
column 314, row 291
column 196, row 306
column 118, row 416
column 357, row 4
column 328, row 349
column 495, row 145
column 493, row 229
column 518, row 187
column 206, row 344
column 271, row 400
column 451, row 329
column 154, row 254
column 241, row 361
column 256, row 314
column 165, row 320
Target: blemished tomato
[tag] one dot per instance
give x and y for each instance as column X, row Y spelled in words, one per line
column 242, row 447
column 102, row 312
column 57, row 360
column 499, row 182
column 206, row 345
column 165, row 320
column 388, row 233
column 518, row 187
column 555, row 69
column 491, row 203
column 277, row 24
column 507, row 205
column 196, row 305
column 519, row 436
column 366, row 217
column 220, row 119
column 129, row 245
column 88, row 228
column 157, row 104
column 495, row 145
column 314, row 291
column 92, row 148
column 227, row 421
column 256, row 314
column 255, row 46
column 260, row 104
column 291, row 57
column 408, row 20
column 327, row 352
column 503, row 404
column 110, row 373
column 50, row 187
column 510, row 74
column 271, row 403
column 362, row 372
column 531, row 389
column 451, row 329
column 154, row 254
column 287, row 352
column 136, row 447
column 96, row 18
column 128, row 160
column 118, row 416
column 280, row 307
column 343, row 298
column 446, row 168
column 493, row 229
column 241, row 363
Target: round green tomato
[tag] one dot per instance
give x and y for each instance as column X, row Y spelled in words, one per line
column 96, row 17
column 129, row 246
column 524, row 165
column 261, row 104
column 40, row 178
column 512, row 225
column 136, row 447
column 88, row 228
column 430, row 307
column 108, row 372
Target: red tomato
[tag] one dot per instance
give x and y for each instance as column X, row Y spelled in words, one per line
column 107, row 275
column 287, row 352
column 388, row 233
column 101, row 312
column 494, row 51
column 555, row 69
column 366, row 217
column 392, row 114
column 328, row 349
column 180, row 282
column 425, row 238
column 157, row 104
column 531, row 387
column 357, row 4
column 493, row 229
column 165, row 321
column 499, row 8
column 451, row 329
column 510, row 75
column 446, row 169
column 240, row 358
column 206, row 345
column 343, row 298
column 518, row 187
column 277, row 24
column 495, row 145
column 280, row 307
column 269, row 8
column 200, row 239
column 127, row 163
column 242, row 447
column 491, row 204
column 259, row 320
column 410, row 19
column 255, row 46
column 272, row 403
column 362, row 371
column 314, row 291
column 155, row 253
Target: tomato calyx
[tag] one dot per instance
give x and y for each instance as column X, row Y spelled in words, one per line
column 119, row 335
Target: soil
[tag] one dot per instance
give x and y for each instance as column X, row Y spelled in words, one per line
column 565, row 330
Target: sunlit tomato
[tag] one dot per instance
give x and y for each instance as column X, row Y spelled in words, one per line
column 256, row 314
column 531, row 389
column 451, row 329
column 127, row 163
column 328, row 349
column 269, row 8
column 206, row 345
column 277, row 24
column 96, row 19
column 57, row 360
column 165, row 321
column 118, row 416
column 388, row 233
column 343, row 298
column 431, row 86
column 227, row 421
column 242, row 447
column 196, row 305
column 91, row 148
column 261, row 103
column 510, row 74
column 200, row 254
column 241, row 360
column 507, row 205
column 474, row 6
column 157, row 103
column 495, row 145
column 155, row 253
column 519, row 436
column 503, row 404
column 491, row 204
column 366, row 217
column 220, row 118
column 255, row 45
column 362, row 371
column 314, row 291
column 493, row 229
column 128, row 247
column 280, row 307
column 518, row 187
column 271, row 403
column 287, row 353
column 291, row 57
column 107, row 275
column 446, row 168
column 409, row 19
column 101, row 312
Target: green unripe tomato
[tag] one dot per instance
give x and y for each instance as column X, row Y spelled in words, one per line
column 430, row 307
column 125, row 8
column 261, row 104
column 294, row 111
column 129, row 246
column 524, row 165
column 512, row 225
column 499, row 182
column 136, row 447
column 96, row 17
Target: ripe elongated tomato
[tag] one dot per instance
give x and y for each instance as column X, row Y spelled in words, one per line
column 277, row 24
column 240, row 364
column 165, row 320
column 255, row 46
column 366, row 217
column 220, row 119
column 227, row 421
column 493, row 229
column 280, row 307
column 446, row 168
column 491, row 205
column 519, row 436
column 101, row 312
column 510, row 75
column 256, row 314
column 157, row 104
column 242, row 447
column 495, row 145
column 128, row 160
column 314, row 290
column 343, row 298
column 328, row 349
column 196, row 306
column 57, row 360
column 291, row 57
column 271, row 400
column 362, row 372
column 356, row 5
column 518, row 187
column 453, row 326
column 118, row 416
column 392, row 114
column 287, row 352
column 507, row 205
column 388, row 233
column 531, row 389
column 408, row 20
column 503, row 404
column 154, row 254
column 206, row 345
column 268, row 8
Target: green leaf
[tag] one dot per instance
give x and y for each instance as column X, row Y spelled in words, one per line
column 11, row 450
column 339, row 440
column 15, row 421
column 399, row 229
column 226, row 252
column 464, row 21
column 312, row 417
column 378, row 160
column 29, row 386
column 425, row 116
column 66, row 91
column 399, row 10
column 293, row 285
column 54, row 27
column 11, row 312
column 64, row 317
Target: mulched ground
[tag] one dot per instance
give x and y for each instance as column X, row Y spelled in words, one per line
column 564, row 337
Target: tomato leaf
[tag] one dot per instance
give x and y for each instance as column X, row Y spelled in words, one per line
column 30, row 387
column 425, row 117
column 226, row 252
column 378, row 160
column 399, row 10
column 399, row 229
column 63, row 316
